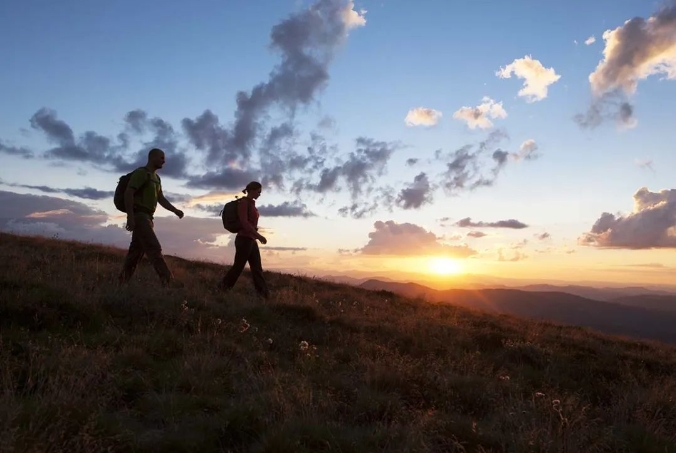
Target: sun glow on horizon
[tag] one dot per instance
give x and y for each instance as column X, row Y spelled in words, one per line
column 445, row 266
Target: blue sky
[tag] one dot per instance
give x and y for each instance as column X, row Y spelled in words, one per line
column 92, row 63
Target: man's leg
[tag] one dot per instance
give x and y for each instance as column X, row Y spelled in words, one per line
column 134, row 256
column 242, row 250
column 256, row 267
column 152, row 248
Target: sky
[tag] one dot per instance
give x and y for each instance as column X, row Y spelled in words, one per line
column 520, row 140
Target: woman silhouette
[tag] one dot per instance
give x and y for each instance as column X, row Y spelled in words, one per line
column 246, row 247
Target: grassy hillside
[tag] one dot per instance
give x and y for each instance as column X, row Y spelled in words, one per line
column 86, row 366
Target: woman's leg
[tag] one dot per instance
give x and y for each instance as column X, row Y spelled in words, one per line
column 256, row 267
column 242, row 251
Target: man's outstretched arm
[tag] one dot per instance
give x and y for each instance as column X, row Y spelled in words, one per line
column 168, row 206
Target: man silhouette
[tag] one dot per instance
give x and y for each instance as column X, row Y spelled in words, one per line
column 144, row 192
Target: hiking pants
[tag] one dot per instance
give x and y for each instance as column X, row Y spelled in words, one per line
column 145, row 242
column 246, row 249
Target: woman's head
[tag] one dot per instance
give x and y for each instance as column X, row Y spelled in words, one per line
column 253, row 189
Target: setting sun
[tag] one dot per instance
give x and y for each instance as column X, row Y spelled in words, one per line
column 445, row 266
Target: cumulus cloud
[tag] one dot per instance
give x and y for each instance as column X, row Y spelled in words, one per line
column 422, row 116
column 591, row 40
column 471, row 167
column 411, row 161
column 351, row 18
column 543, row 236
column 481, row 115
column 537, row 78
column 652, row 224
column 511, row 224
column 416, row 194
column 527, row 151
column 634, row 51
column 406, row 239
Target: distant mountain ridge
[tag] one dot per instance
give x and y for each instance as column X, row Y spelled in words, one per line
column 604, row 293
column 590, row 291
column 621, row 318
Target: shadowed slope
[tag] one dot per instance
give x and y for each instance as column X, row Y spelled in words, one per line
column 88, row 367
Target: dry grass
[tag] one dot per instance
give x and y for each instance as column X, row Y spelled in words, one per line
column 89, row 367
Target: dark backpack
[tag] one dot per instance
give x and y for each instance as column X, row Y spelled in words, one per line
column 118, row 198
column 230, row 216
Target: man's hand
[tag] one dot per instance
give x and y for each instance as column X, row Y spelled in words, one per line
column 131, row 223
column 179, row 213
column 262, row 239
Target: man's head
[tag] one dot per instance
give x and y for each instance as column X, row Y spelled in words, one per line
column 156, row 158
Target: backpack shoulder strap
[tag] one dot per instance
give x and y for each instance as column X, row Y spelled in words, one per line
column 148, row 178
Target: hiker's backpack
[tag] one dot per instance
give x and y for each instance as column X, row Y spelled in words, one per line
column 230, row 216
column 121, row 188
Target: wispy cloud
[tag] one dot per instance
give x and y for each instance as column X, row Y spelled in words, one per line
column 418, row 193
column 511, row 256
column 285, row 209
column 476, row 234
column 591, row 40
column 16, row 151
column 612, row 106
column 645, row 164
column 472, row 167
column 511, row 224
column 481, row 115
